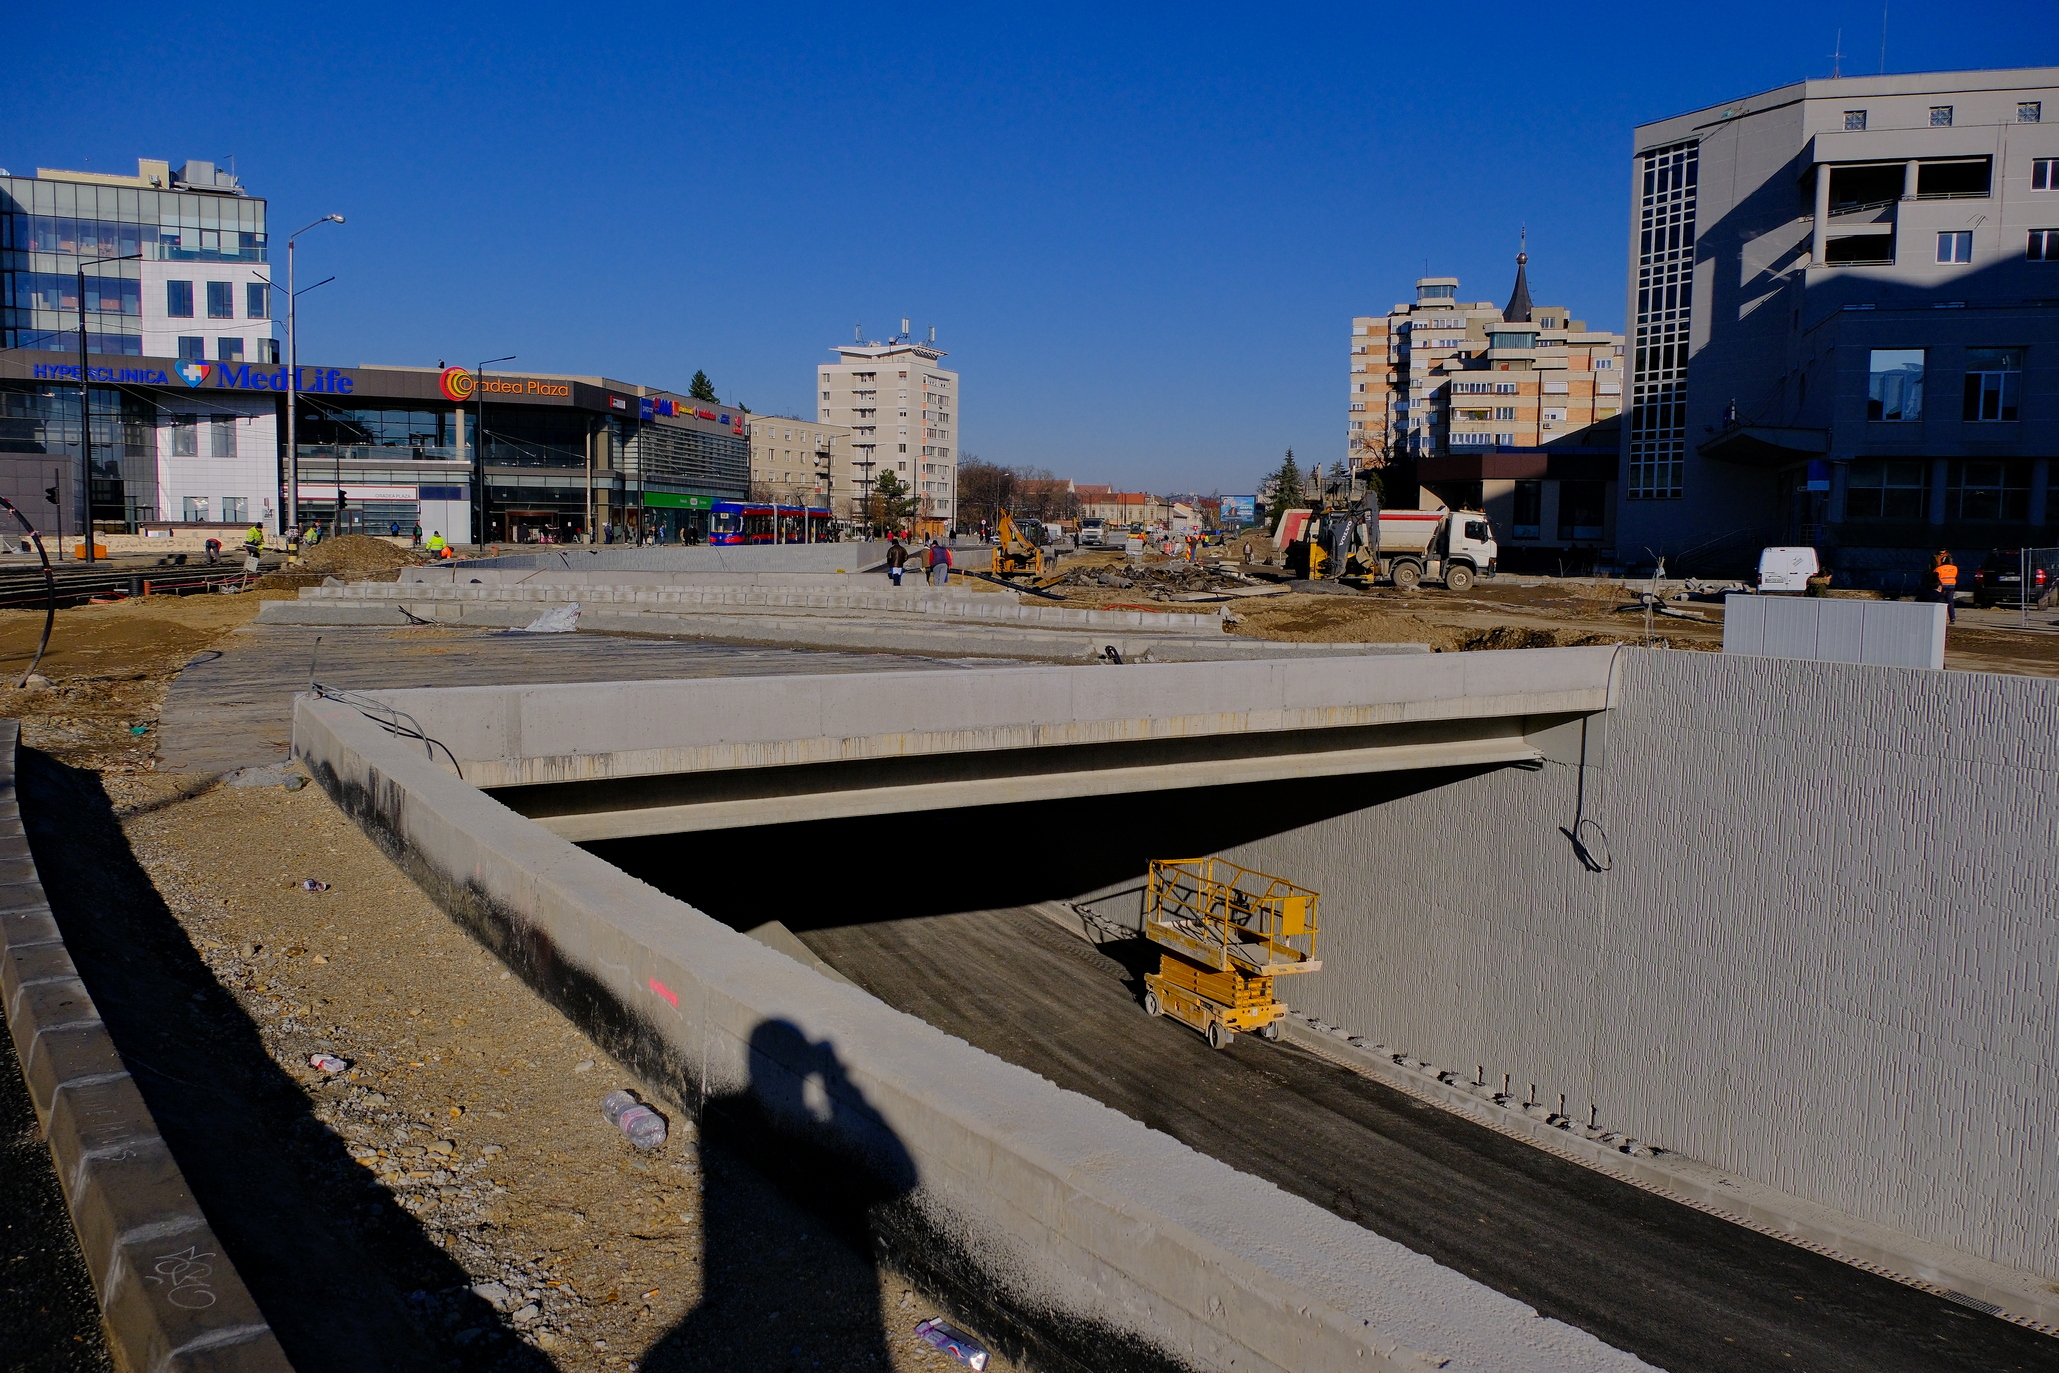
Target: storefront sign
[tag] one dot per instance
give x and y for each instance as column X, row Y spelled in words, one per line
column 459, row 385
column 670, row 501
column 456, row 383
column 135, row 376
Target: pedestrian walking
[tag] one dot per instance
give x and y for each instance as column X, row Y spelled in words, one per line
column 897, row 561
column 417, row 537
column 939, row 564
column 1944, row 577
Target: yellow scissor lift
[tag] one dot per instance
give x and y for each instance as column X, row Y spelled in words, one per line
column 1225, row 932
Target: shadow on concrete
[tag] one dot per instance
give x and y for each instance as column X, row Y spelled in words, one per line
column 773, row 1300
column 330, row 1258
column 985, row 857
column 49, row 1314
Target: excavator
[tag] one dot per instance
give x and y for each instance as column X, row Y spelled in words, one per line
column 1016, row 553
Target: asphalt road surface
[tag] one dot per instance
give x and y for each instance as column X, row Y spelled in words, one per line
column 1678, row 1288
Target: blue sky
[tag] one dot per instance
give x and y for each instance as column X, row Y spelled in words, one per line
column 1141, row 232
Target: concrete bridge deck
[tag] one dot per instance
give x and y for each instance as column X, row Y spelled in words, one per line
column 617, row 760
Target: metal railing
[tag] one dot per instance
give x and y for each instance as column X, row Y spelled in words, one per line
column 1227, row 908
column 2040, row 584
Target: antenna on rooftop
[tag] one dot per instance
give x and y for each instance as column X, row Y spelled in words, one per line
column 1837, row 57
column 932, row 333
column 904, row 326
column 1883, row 37
column 857, row 333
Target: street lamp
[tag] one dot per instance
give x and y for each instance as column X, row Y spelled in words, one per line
column 86, row 400
column 479, row 449
column 293, row 376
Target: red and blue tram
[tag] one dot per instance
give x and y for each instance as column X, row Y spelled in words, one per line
column 750, row 522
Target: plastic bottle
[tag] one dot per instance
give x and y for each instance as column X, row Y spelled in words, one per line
column 644, row 1127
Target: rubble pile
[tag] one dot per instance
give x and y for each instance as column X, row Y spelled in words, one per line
column 1155, row 581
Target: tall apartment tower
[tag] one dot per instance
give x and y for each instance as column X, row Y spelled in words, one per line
column 1844, row 297
column 901, row 406
column 1491, row 406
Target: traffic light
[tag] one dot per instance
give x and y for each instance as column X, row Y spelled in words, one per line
column 50, row 494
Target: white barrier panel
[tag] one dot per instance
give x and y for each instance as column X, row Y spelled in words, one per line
column 1827, row 630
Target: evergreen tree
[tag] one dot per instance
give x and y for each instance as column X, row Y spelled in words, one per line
column 893, row 503
column 1284, row 486
column 701, row 388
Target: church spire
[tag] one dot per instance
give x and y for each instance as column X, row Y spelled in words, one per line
column 1518, row 311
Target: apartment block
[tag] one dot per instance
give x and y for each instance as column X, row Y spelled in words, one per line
column 1466, row 403
column 805, row 462
column 1845, row 304
column 901, row 406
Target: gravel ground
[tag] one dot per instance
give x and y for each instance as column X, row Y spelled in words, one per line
column 463, row 1152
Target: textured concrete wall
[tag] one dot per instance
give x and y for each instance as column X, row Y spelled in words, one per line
column 1825, row 953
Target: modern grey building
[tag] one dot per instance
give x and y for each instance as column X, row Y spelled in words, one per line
column 1844, row 324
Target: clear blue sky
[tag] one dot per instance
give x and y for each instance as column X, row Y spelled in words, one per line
column 1141, row 232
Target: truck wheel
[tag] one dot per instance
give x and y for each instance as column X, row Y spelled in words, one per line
column 1270, row 1031
column 1458, row 577
column 1151, row 1006
column 1407, row 576
column 1218, row 1037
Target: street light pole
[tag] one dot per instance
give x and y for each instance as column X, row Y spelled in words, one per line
column 292, row 510
column 86, row 399
column 479, row 450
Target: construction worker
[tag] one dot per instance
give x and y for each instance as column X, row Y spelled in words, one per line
column 438, row 547
column 254, row 541
column 1944, row 575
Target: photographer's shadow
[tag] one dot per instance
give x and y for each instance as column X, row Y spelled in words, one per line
column 796, row 1170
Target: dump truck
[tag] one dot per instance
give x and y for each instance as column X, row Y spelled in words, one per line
column 1453, row 547
column 1224, row 933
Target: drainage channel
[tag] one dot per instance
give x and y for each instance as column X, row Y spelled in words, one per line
column 936, row 922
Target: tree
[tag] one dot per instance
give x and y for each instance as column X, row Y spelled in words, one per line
column 1282, row 490
column 701, row 388
column 891, row 504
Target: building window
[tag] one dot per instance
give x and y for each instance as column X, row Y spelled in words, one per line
column 1472, row 440
column 1940, row 116
column 221, row 300
column 1988, row 490
column 2029, row 111
column 1855, row 120
column 1527, row 519
column 1880, row 489
column 229, row 349
column 1955, row 245
column 235, row 509
column 1894, row 384
column 2044, row 245
column 269, row 349
column 1665, row 263
column 196, row 510
column 185, row 436
column 256, row 300
column 1504, row 412
column 1580, row 509
column 221, row 433
column 1991, row 381
column 192, row 349
column 2044, row 174
column 178, row 298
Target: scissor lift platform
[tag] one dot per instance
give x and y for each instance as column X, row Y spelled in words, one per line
column 1224, row 933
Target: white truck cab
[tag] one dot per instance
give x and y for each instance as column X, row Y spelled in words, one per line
column 1450, row 546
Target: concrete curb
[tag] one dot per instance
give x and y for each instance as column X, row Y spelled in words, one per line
column 2025, row 1299
column 172, row 1302
column 909, row 635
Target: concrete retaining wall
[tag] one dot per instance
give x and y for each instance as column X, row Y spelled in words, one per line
column 1824, row 953
column 818, row 557
column 1104, row 1244
column 171, row 1300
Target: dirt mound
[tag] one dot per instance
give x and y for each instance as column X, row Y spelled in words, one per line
column 358, row 557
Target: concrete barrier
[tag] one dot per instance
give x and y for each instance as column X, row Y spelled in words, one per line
column 1088, row 1237
column 792, row 557
column 171, row 1300
column 1827, row 630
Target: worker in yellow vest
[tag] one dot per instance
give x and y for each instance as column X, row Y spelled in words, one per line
column 1944, row 575
column 438, row 546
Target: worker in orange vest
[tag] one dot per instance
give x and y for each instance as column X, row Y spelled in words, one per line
column 1944, row 575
